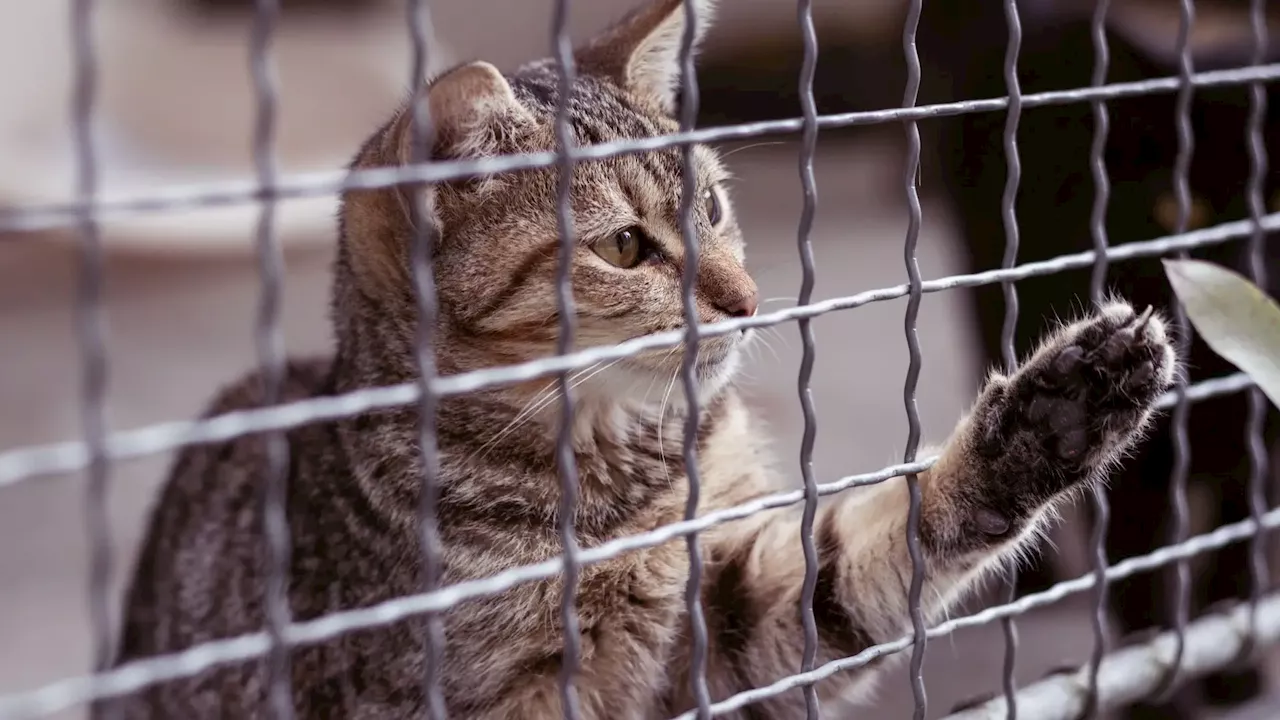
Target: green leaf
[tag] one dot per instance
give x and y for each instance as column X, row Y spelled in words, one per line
column 1235, row 318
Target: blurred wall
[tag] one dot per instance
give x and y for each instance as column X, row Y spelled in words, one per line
column 526, row 31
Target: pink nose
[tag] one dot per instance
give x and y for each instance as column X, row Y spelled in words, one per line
column 744, row 306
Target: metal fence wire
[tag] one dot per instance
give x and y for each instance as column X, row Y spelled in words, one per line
column 1109, row 679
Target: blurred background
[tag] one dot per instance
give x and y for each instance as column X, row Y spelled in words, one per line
column 175, row 107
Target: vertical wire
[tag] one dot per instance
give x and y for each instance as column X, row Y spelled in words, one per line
column 568, row 324
column 1009, row 214
column 911, row 176
column 689, row 280
column 809, row 189
column 1098, row 229
column 270, row 346
column 1258, row 273
column 1181, row 446
column 424, row 240
column 91, row 322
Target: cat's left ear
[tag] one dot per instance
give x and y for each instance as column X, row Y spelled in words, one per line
column 641, row 53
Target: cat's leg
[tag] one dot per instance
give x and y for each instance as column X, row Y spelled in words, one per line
column 1049, row 429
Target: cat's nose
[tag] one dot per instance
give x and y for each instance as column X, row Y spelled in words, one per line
column 743, row 306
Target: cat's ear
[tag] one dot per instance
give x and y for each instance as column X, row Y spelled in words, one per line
column 471, row 107
column 641, row 53
column 468, row 109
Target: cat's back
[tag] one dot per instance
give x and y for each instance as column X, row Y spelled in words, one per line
column 199, row 571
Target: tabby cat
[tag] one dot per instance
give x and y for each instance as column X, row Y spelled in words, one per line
column 1077, row 404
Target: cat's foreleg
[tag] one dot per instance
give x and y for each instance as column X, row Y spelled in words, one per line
column 1032, row 438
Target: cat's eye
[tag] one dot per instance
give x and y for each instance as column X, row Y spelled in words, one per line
column 625, row 249
column 712, row 203
column 1166, row 212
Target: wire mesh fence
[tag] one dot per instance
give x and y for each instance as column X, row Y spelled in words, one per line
column 1109, row 679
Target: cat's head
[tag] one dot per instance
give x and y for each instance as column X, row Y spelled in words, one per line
column 497, row 240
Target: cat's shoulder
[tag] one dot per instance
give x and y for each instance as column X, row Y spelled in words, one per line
column 302, row 378
column 228, row 467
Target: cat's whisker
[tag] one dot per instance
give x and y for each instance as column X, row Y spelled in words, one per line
column 540, row 400
column 645, row 400
column 764, row 341
column 574, row 381
column 548, row 389
column 946, row 615
column 594, row 370
column 639, row 430
column 525, row 414
column 773, row 332
column 747, row 373
column 752, row 146
column 665, row 357
column 662, row 414
column 776, row 357
column 531, row 410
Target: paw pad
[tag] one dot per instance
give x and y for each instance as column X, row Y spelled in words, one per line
column 990, row 522
column 1078, row 402
column 1066, row 363
column 1096, row 381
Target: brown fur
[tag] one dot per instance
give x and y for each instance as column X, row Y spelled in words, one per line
column 354, row 484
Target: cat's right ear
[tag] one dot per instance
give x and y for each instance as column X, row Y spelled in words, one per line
column 465, row 113
column 467, row 109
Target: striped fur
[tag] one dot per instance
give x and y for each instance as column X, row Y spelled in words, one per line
column 354, row 484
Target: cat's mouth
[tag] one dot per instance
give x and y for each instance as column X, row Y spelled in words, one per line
column 716, row 354
column 713, row 354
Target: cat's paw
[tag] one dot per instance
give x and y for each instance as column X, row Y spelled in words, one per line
column 1075, row 405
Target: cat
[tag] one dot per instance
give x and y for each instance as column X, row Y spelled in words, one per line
column 962, row 46
column 1032, row 438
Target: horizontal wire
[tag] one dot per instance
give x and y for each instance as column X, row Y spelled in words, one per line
column 133, row 676
column 33, row 461
column 302, row 185
column 1132, row 673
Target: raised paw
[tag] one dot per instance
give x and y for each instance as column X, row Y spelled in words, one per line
column 1075, row 405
